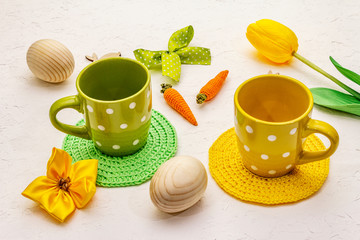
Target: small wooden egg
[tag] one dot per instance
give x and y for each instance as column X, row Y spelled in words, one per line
column 50, row 61
column 178, row 184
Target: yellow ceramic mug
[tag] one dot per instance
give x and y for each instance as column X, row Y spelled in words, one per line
column 272, row 120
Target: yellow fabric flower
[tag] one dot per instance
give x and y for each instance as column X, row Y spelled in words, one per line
column 65, row 187
column 272, row 39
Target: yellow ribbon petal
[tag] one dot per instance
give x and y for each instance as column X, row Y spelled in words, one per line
column 38, row 187
column 59, row 164
column 45, row 191
column 83, row 181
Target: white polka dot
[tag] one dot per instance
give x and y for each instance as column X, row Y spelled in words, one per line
column 264, row 156
column 136, row 142
column 272, row 172
column 116, row 147
column 271, row 138
column 249, row 129
column 288, row 166
column 143, row 118
column 246, row 148
column 132, row 105
column 109, row 111
column 123, row 126
column 102, row 128
column 293, row 131
column 254, row 167
column 98, row 143
column 90, row 108
column 286, row 154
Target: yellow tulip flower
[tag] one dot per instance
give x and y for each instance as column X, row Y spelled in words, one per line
column 65, row 187
column 279, row 44
column 274, row 40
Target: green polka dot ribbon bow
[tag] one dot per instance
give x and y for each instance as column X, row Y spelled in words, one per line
column 178, row 53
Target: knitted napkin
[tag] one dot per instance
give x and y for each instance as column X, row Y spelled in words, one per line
column 132, row 169
column 227, row 169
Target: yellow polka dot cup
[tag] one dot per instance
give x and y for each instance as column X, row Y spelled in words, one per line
column 114, row 95
column 272, row 120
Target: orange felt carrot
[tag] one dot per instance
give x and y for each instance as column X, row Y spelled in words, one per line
column 177, row 102
column 211, row 88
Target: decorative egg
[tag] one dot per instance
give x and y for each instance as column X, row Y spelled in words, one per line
column 178, row 184
column 50, row 61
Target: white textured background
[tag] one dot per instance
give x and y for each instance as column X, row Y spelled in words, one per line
column 324, row 27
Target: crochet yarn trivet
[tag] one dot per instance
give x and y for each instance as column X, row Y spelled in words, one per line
column 133, row 169
column 227, row 169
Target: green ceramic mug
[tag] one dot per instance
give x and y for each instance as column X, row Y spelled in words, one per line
column 114, row 94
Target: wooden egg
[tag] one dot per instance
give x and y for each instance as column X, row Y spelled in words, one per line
column 50, row 61
column 178, row 184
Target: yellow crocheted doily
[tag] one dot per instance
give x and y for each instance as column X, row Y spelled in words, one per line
column 227, row 169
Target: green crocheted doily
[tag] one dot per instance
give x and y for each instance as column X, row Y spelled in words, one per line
column 133, row 169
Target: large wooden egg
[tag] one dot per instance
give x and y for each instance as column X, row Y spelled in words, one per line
column 178, row 184
column 50, row 61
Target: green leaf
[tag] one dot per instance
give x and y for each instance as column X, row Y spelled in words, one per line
column 346, row 72
column 336, row 100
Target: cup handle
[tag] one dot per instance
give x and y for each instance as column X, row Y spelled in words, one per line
column 68, row 102
column 316, row 126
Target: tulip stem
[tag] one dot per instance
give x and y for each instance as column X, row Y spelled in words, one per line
column 316, row 68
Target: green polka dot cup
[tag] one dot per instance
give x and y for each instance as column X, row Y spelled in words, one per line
column 272, row 120
column 114, row 94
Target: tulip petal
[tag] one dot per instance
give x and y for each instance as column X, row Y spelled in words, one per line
column 272, row 39
column 58, row 165
column 83, row 181
column 283, row 36
column 267, row 47
column 56, row 202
